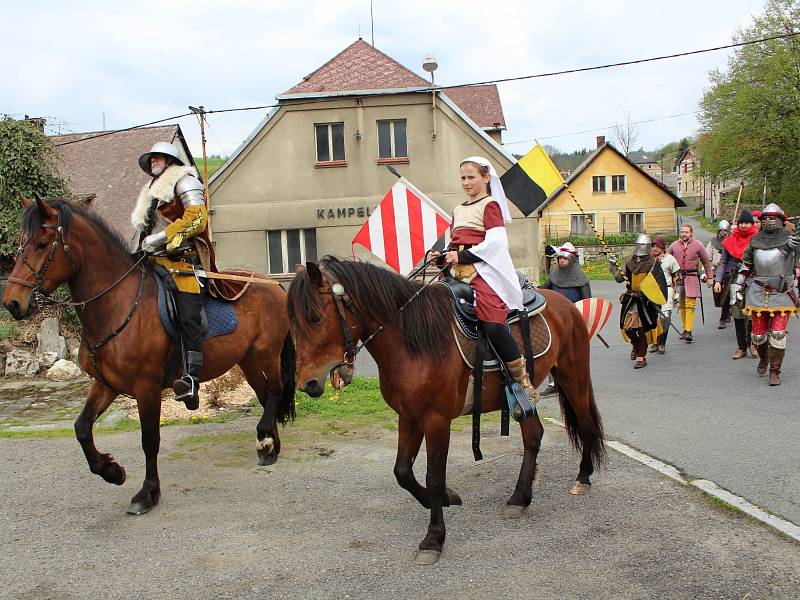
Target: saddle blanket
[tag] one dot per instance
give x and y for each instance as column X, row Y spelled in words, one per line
column 219, row 318
column 540, row 341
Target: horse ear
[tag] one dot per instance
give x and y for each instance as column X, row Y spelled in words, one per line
column 44, row 207
column 25, row 202
column 314, row 273
column 298, row 268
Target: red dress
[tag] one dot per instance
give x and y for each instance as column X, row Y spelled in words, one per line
column 488, row 305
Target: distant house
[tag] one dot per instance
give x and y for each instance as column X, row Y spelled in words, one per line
column 690, row 184
column 647, row 163
column 618, row 196
column 306, row 179
column 104, row 171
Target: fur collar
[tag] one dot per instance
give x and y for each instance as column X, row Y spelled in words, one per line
column 162, row 188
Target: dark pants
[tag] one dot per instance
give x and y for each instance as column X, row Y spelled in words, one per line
column 726, row 312
column 638, row 341
column 191, row 324
column 502, row 341
column 742, row 335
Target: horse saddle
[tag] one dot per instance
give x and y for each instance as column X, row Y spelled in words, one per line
column 463, row 298
column 218, row 317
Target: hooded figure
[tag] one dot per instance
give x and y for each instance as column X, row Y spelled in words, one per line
column 566, row 276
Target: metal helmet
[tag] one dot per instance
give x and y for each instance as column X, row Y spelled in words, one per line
column 164, row 148
column 770, row 215
column 642, row 245
column 724, row 225
column 567, row 250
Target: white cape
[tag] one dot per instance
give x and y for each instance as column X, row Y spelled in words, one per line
column 496, row 267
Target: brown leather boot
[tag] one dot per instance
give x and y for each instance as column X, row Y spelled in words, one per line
column 763, row 359
column 519, row 373
column 775, row 361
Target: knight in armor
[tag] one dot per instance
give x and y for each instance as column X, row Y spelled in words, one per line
column 733, row 248
column 568, row 279
column 478, row 255
column 170, row 218
column 770, row 260
column 639, row 315
column 714, row 251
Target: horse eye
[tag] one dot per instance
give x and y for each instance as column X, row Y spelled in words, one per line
column 316, row 320
column 41, row 244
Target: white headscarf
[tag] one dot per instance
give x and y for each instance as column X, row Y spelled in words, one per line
column 495, row 187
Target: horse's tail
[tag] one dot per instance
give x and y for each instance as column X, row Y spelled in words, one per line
column 286, row 410
column 592, row 437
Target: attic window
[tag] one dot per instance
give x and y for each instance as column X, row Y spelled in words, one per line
column 330, row 142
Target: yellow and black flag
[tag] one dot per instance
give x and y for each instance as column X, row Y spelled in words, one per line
column 529, row 182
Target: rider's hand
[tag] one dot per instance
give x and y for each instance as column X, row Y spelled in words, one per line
column 154, row 242
column 451, row 258
column 717, row 287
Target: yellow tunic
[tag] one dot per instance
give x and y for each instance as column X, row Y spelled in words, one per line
column 193, row 222
column 652, row 335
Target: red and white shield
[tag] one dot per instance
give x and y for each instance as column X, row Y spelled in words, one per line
column 596, row 312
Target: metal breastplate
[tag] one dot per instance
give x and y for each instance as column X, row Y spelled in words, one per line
column 770, row 266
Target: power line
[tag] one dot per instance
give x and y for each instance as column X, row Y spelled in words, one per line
column 493, row 81
column 550, row 137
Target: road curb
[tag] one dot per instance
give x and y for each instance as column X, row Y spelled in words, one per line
column 706, row 486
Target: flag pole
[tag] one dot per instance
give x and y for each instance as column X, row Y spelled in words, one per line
column 201, row 113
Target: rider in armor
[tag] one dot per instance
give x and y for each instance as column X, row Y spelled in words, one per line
column 638, row 318
column 770, row 299
column 169, row 215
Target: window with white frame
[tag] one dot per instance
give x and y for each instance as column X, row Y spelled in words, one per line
column 631, row 222
column 287, row 248
column 330, row 142
column 618, row 183
column 579, row 226
column 599, row 184
column 392, row 140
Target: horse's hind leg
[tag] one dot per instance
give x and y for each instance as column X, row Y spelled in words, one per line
column 409, row 440
column 99, row 399
column 263, row 375
column 532, row 432
column 149, row 404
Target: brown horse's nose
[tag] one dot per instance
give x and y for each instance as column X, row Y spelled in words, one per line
column 313, row 388
column 14, row 309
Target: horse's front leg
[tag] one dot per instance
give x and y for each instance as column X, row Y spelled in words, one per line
column 437, row 442
column 409, row 440
column 149, row 404
column 99, row 399
column 532, row 432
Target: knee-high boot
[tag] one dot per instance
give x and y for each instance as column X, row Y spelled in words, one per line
column 775, row 361
column 763, row 358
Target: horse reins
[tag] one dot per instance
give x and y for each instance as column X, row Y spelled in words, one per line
column 43, row 298
column 340, row 297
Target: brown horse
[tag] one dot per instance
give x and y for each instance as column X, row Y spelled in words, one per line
column 125, row 348
column 424, row 379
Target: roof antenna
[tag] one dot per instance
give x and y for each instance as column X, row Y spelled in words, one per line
column 358, row 26
column 372, row 23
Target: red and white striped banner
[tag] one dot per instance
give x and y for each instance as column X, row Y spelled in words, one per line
column 595, row 313
column 404, row 225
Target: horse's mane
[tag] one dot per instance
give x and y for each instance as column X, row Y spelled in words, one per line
column 377, row 294
column 33, row 219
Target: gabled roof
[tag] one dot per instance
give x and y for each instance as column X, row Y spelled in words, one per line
column 590, row 159
column 481, row 103
column 105, row 170
column 358, row 67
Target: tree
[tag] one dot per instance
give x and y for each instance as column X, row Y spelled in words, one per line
column 27, row 166
column 751, row 114
column 625, row 135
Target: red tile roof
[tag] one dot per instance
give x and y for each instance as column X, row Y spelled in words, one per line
column 481, row 103
column 106, row 169
column 358, row 67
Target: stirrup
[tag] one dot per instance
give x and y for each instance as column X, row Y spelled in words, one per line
column 519, row 403
column 186, row 391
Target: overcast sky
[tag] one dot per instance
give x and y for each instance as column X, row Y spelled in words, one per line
column 137, row 62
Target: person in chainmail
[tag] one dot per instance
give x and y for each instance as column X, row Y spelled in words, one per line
column 714, row 250
column 568, row 279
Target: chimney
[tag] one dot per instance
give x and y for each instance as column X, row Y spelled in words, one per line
column 601, row 139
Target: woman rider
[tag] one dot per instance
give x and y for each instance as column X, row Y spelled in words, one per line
column 478, row 254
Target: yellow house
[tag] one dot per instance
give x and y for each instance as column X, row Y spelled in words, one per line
column 618, row 196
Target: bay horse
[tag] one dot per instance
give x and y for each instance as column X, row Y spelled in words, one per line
column 125, row 348
column 424, row 379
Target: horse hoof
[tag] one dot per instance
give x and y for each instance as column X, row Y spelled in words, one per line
column 265, row 460
column 427, row 557
column 512, row 511
column 138, row 508
column 580, row 489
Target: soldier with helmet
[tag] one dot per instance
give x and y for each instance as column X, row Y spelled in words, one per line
column 639, row 314
column 170, row 218
column 770, row 263
column 714, row 250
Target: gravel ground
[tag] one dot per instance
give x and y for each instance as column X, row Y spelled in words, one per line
column 329, row 521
